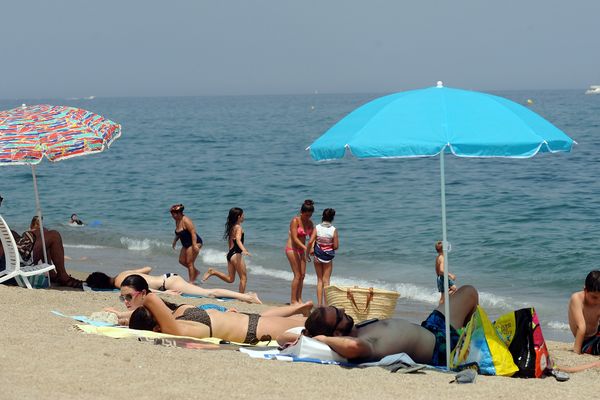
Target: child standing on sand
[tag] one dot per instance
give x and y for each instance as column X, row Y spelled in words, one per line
column 439, row 271
column 323, row 243
column 584, row 316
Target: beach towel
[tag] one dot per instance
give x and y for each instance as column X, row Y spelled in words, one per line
column 479, row 347
column 522, row 333
column 122, row 333
column 313, row 351
column 83, row 318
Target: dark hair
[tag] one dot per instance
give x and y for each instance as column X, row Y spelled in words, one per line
column 308, row 206
column 315, row 323
column 177, row 208
column 34, row 221
column 142, row 319
column 232, row 218
column 99, row 280
column 439, row 245
column 592, row 282
column 138, row 283
column 328, row 215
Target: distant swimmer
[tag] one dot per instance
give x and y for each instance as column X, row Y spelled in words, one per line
column 75, row 221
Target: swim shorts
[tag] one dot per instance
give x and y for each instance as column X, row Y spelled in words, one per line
column 440, row 283
column 436, row 324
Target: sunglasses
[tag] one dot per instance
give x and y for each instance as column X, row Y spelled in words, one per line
column 128, row 297
column 339, row 316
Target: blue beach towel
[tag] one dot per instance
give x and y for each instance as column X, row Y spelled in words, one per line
column 83, row 318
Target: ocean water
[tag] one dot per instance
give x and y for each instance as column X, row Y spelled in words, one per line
column 524, row 232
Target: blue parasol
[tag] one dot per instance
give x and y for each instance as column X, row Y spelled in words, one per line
column 439, row 120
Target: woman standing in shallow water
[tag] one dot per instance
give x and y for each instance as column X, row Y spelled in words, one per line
column 301, row 227
column 234, row 234
column 191, row 242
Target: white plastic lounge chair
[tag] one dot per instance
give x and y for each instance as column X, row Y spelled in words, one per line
column 13, row 260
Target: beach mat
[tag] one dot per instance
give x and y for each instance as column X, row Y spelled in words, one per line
column 399, row 363
column 84, row 319
column 122, row 333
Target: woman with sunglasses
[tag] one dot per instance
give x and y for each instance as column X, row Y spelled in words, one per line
column 191, row 242
column 155, row 315
column 134, row 289
column 167, row 282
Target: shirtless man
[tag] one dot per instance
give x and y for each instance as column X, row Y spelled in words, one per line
column 167, row 282
column 584, row 316
column 371, row 341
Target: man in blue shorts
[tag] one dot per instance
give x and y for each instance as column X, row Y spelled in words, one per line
column 373, row 340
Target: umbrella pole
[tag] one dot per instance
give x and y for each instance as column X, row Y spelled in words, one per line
column 38, row 212
column 445, row 250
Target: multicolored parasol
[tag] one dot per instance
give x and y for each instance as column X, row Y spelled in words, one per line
column 28, row 133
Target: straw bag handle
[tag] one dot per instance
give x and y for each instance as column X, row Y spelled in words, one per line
column 351, row 298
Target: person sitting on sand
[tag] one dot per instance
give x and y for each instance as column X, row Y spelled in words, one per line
column 134, row 288
column 374, row 339
column 584, row 316
column 172, row 282
column 439, row 271
column 155, row 315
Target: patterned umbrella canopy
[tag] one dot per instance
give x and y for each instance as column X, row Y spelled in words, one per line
column 28, row 133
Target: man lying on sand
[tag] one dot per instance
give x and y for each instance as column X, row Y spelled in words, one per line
column 373, row 340
column 171, row 282
column 584, row 316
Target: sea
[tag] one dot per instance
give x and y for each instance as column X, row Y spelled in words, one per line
column 525, row 232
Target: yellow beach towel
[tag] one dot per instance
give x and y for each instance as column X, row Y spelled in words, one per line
column 121, row 333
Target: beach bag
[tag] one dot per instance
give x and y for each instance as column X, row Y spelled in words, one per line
column 480, row 348
column 522, row 333
column 362, row 303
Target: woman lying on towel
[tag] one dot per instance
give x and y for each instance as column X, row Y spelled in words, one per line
column 134, row 288
column 187, row 320
column 167, row 282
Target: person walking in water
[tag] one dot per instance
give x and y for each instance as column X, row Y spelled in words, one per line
column 323, row 243
column 234, row 234
column 296, row 251
column 439, row 271
column 191, row 242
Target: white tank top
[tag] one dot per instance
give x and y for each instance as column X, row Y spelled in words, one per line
column 325, row 236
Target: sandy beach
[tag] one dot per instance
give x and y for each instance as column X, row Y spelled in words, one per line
column 44, row 355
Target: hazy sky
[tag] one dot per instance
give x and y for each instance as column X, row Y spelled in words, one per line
column 74, row 48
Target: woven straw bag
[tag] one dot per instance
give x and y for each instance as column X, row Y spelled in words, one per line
column 362, row 303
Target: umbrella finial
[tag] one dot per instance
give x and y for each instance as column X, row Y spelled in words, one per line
column 440, row 84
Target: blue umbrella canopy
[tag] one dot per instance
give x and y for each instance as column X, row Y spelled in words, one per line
column 439, row 120
column 420, row 123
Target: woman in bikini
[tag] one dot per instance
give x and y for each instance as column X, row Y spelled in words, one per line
column 234, row 234
column 191, row 242
column 301, row 227
column 152, row 313
column 135, row 287
column 169, row 282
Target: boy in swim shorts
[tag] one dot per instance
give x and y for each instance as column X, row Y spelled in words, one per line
column 439, row 271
